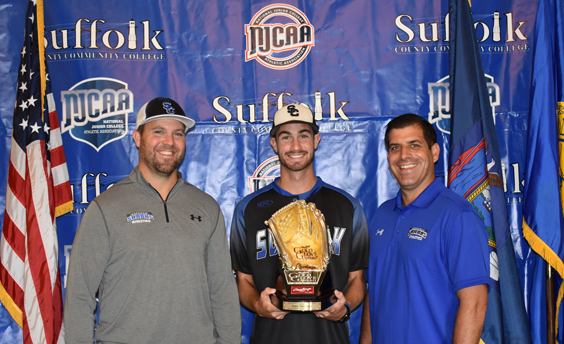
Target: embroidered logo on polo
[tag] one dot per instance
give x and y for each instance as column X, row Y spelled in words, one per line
column 140, row 217
column 380, row 232
column 417, row 233
column 196, row 217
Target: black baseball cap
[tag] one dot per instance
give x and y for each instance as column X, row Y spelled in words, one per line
column 293, row 113
column 163, row 108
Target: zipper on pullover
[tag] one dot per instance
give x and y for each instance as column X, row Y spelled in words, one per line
column 166, row 211
column 164, row 200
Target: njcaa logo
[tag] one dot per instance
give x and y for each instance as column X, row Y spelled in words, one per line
column 264, row 174
column 95, row 111
column 140, row 217
column 283, row 43
column 439, row 101
column 417, row 233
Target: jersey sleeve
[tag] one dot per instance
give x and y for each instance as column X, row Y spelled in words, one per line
column 360, row 244
column 467, row 253
column 238, row 240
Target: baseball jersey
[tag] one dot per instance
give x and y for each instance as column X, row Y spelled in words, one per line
column 253, row 253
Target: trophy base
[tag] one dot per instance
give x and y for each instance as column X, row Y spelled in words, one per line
column 318, row 304
column 301, row 306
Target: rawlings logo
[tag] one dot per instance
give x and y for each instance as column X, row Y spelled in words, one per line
column 264, row 204
column 302, row 290
column 279, row 45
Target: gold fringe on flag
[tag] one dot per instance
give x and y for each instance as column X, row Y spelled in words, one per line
column 550, row 257
column 11, row 306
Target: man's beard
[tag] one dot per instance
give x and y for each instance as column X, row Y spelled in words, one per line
column 163, row 168
column 296, row 167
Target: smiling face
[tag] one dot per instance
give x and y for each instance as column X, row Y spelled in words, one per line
column 411, row 161
column 162, row 146
column 295, row 145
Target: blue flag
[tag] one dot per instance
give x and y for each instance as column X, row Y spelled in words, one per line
column 542, row 202
column 475, row 174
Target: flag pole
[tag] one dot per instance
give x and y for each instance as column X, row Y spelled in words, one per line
column 550, row 303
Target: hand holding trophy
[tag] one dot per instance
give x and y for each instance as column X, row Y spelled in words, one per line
column 301, row 238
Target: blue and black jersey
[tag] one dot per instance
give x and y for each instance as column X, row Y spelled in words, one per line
column 253, row 253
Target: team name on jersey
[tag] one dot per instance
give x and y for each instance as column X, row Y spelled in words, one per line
column 266, row 248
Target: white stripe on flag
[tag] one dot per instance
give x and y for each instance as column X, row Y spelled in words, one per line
column 40, row 199
column 50, row 103
column 12, row 262
column 32, row 310
column 17, row 157
column 56, row 139
column 60, row 174
column 16, row 211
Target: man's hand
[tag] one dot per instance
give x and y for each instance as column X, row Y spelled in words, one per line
column 337, row 309
column 267, row 305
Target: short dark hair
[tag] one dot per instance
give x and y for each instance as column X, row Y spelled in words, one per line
column 407, row 120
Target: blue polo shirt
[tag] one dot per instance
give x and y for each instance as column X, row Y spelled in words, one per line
column 420, row 255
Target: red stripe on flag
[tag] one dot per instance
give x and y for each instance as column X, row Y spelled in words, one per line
column 38, row 264
column 16, row 183
column 62, row 192
column 14, row 237
column 57, row 308
column 54, row 119
column 57, row 156
column 11, row 287
column 26, row 334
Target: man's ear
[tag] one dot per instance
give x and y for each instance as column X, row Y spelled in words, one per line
column 274, row 145
column 136, row 138
column 316, row 140
column 435, row 149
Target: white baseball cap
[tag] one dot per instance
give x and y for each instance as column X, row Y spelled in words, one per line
column 293, row 113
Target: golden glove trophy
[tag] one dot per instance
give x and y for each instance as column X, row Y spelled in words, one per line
column 301, row 238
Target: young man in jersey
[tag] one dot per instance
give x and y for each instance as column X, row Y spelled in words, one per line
column 153, row 250
column 294, row 138
column 429, row 254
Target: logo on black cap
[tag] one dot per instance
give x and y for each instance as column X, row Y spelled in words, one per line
column 168, row 107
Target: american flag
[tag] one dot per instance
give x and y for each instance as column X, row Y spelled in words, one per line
column 38, row 190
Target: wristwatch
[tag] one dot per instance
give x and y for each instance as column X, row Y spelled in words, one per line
column 347, row 316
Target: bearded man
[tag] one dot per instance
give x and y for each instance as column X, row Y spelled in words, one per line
column 153, row 250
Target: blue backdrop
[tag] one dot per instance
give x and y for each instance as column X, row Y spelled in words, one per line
column 230, row 64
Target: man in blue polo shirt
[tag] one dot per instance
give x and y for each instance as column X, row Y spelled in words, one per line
column 428, row 268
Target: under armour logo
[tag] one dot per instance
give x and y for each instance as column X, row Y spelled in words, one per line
column 169, row 109
column 380, row 232
column 293, row 111
column 196, row 217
